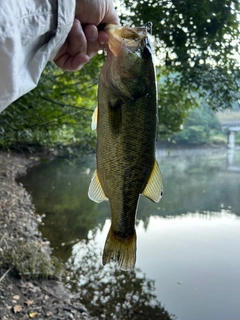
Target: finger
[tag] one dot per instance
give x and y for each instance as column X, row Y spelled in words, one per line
column 70, row 63
column 93, row 42
column 102, row 38
column 74, row 54
column 76, row 41
column 91, row 32
column 77, row 62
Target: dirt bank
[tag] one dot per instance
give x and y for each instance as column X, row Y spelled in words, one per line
column 30, row 285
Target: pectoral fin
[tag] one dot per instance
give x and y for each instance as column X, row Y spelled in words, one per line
column 154, row 187
column 94, row 119
column 95, row 191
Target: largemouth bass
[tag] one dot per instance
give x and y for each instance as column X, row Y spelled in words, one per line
column 126, row 120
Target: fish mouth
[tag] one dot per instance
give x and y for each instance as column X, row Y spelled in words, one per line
column 133, row 39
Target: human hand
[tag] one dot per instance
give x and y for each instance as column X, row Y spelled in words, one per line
column 84, row 40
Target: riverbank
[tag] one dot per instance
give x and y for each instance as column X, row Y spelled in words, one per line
column 30, row 278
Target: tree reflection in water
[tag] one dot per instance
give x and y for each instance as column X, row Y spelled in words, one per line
column 109, row 292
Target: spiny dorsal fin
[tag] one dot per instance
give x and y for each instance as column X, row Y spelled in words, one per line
column 95, row 191
column 94, row 119
column 154, row 187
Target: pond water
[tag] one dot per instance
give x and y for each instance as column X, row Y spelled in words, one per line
column 188, row 261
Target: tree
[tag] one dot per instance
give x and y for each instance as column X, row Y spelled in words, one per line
column 174, row 103
column 198, row 126
column 198, row 40
column 196, row 44
column 62, row 102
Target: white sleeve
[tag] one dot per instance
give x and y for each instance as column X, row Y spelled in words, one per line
column 31, row 33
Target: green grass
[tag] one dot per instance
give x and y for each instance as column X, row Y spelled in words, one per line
column 31, row 260
column 218, row 139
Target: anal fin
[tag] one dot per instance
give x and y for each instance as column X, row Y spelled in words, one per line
column 95, row 191
column 154, row 187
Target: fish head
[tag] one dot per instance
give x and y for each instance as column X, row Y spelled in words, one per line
column 129, row 60
column 133, row 40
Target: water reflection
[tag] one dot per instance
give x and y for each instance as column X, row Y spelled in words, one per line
column 114, row 294
column 231, row 166
column 188, row 243
column 192, row 182
column 194, row 259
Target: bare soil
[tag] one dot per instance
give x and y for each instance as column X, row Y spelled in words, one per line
column 30, row 277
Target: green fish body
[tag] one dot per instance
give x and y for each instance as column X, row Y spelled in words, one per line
column 126, row 128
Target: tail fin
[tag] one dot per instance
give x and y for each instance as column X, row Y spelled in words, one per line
column 122, row 251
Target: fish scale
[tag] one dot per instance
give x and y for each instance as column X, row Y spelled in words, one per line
column 126, row 130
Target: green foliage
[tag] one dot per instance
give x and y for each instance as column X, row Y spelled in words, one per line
column 174, row 103
column 30, row 260
column 196, row 44
column 198, row 127
column 58, row 110
column 198, row 40
column 218, row 139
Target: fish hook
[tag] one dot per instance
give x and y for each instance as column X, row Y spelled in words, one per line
column 148, row 26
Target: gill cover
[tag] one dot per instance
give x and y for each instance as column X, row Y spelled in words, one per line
column 133, row 39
